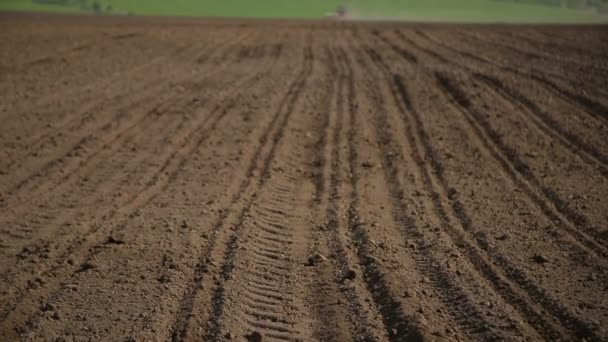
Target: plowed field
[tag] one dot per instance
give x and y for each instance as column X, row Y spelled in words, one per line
column 210, row 180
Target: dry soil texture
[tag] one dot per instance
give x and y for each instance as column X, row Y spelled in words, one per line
column 210, row 180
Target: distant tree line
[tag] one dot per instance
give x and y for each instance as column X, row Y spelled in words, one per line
column 95, row 6
column 55, row 2
column 599, row 4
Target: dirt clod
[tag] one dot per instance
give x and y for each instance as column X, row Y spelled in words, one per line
column 112, row 240
column 502, row 237
column 86, row 266
column 47, row 307
column 367, row 164
column 164, row 279
column 540, row 259
column 255, row 337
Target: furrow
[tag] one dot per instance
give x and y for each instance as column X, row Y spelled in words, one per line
column 567, row 64
column 347, row 275
column 575, row 223
column 336, row 313
column 547, row 125
column 456, row 302
column 554, row 42
column 64, row 242
column 62, row 161
column 503, row 288
column 398, row 324
column 41, row 188
column 158, row 181
column 569, row 219
column 107, row 153
column 504, row 155
column 75, row 122
column 587, row 104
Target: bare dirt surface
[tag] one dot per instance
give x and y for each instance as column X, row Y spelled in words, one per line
column 211, row 180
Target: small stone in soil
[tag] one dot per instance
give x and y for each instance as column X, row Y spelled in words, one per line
column 451, row 193
column 350, row 274
column 315, row 259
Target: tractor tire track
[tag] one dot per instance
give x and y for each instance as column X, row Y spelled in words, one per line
column 272, row 135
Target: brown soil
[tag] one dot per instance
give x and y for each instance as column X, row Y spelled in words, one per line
column 183, row 180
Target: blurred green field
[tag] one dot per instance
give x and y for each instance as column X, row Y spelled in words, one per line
column 414, row 10
column 474, row 11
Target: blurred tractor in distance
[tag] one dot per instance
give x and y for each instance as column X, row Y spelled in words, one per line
column 340, row 13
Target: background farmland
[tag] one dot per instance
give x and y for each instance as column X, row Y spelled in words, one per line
column 418, row 10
